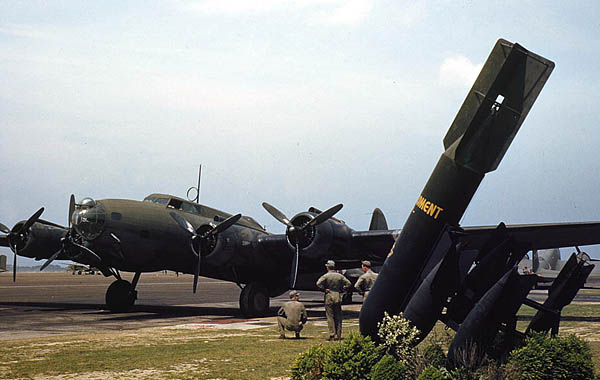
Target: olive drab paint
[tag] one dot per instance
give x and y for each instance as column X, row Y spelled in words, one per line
column 478, row 138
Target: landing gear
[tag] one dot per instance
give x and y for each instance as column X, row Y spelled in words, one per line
column 254, row 300
column 347, row 298
column 121, row 295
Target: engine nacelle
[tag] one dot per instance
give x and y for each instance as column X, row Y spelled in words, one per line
column 329, row 239
column 41, row 240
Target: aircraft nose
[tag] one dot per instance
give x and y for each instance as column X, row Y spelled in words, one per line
column 89, row 221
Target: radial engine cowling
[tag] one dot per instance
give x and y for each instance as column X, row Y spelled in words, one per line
column 318, row 242
column 41, row 240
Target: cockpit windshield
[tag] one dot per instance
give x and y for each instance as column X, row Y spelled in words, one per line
column 159, row 200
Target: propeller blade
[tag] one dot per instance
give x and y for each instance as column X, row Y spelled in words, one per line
column 15, row 265
column 277, row 214
column 197, row 270
column 71, row 208
column 294, row 267
column 4, row 229
column 32, row 219
column 51, row 259
column 183, row 223
column 225, row 224
column 326, row 215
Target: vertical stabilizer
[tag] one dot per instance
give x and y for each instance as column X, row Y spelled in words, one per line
column 378, row 221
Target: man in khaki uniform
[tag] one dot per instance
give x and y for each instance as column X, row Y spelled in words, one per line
column 366, row 280
column 333, row 284
column 292, row 316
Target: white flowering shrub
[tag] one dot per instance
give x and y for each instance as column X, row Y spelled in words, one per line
column 398, row 337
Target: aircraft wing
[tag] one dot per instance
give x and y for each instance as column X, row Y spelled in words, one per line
column 375, row 244
column 538, row 236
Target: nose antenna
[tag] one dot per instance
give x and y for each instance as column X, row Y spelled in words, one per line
column 195, row 198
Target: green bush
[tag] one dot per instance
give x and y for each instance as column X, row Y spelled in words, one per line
column 398, row 336
column 309, row 364
column 434, row 355
column 434, row 373
column 545, row 357
column 388, row 368
column 352, row 359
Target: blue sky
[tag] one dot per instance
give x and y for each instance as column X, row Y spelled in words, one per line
column 297, row 103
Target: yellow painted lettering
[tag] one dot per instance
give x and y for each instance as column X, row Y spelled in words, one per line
column 432, row 210
column 439, row 209
column 421, row 202
column 427, row 205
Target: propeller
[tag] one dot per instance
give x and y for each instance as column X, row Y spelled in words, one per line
column 68, row 241
column 202, row 237
column 16, row 237
column 297, row 232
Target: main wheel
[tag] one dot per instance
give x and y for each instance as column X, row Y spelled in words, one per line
column 347, row 298
column 254, row 300
column 120, row 296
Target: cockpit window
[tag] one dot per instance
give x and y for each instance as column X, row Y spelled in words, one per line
column 175, row 203
column 150, row 199
column 189, row 207
column 162, row 201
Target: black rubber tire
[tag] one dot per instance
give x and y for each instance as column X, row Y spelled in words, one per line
column 254, row 300
column 120, row 297
column 347, row 298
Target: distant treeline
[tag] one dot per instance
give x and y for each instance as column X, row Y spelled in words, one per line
column 36, row 268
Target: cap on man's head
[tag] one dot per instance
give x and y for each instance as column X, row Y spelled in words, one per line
column 330, row 264
column 366, row 263
column 294, row 293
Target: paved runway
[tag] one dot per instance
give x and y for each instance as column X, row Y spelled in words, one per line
column 56, row 303
column 41, row 304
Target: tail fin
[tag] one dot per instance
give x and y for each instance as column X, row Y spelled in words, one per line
column 2, row 263
column 378, row 221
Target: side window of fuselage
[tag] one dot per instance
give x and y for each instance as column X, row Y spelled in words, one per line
column 162, row 201
column 175, row 203
column 188, row 207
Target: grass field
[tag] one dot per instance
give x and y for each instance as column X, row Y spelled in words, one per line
column 201, row 353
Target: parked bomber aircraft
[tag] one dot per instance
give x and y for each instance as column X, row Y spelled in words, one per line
column 164, row 232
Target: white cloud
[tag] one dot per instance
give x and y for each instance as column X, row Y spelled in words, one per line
column 327, row 12
column 458, row 70
column 236, row 6
column 28, row 31
column 352, row 12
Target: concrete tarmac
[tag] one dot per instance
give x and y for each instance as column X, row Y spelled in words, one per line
column 40, row 304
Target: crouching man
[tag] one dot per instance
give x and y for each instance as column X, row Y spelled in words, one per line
column 292, row 316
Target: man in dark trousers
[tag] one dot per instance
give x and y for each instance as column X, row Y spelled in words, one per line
column 333, row 284
column 292, row 316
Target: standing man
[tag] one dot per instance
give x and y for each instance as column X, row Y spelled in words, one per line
column 333, row 284
column 366, row 280
column 292, row 315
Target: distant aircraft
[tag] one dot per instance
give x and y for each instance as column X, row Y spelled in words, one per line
column 79, row 269
column 2, row 263
column 164, row 232
column 547, row 264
